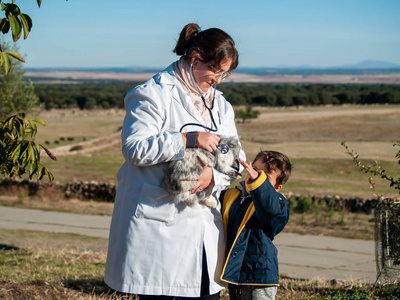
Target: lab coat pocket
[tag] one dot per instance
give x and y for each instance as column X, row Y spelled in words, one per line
column 155, row 204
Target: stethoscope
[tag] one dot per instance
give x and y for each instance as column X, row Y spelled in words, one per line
column 223, row 148
column 205, row 104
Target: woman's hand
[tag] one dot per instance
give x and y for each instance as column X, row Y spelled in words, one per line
column 206, row 140
column 205, row 179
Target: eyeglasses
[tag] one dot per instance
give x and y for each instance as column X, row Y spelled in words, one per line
column 219, row 73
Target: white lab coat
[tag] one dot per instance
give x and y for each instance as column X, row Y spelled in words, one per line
column 156, row 246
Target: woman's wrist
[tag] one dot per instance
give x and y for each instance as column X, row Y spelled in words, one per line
column 184, row 140
column 191, row 139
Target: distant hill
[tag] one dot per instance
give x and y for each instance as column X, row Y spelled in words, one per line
column 373, row 64
column 365, row 67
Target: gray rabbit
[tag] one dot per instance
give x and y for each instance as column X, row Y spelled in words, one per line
column 179, row 176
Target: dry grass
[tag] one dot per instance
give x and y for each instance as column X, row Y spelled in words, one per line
column 289, row 290
column 337, row 224
column 70, row 274
column 321, row 129
column 78, row 124
column 310, row 136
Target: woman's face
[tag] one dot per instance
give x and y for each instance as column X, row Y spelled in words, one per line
column 204, row 72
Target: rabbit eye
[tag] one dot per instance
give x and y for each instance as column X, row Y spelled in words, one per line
column 223, row 148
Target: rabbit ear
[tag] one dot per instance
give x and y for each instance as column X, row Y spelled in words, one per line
column 206, row 158
column 201, row 160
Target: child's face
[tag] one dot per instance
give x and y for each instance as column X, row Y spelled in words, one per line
column 272, row 175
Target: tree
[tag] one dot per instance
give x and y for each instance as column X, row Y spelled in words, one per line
column 249, row 113
column 16, row 95
column 18, row 150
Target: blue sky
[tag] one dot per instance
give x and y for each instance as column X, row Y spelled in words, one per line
column 268, row 33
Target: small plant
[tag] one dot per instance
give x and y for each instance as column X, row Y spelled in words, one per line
column 76, row 148
column 342, row 222
column 331, row 212
column 376, row 169
column 317, row 214
column 387, row 219
column 303, row 218
column 300, row 205
column 21, row 197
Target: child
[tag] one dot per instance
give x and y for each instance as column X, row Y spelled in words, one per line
column 253, row 216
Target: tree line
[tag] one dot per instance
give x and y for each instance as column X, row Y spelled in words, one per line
column 310, row 94
column 111, row 95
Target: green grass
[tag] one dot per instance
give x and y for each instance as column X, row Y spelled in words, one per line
column 101, row 167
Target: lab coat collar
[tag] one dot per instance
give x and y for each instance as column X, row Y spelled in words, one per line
column 168, row 77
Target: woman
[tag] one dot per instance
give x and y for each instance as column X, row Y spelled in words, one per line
column 157, row 247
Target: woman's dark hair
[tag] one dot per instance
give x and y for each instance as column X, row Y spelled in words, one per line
column 212, row 44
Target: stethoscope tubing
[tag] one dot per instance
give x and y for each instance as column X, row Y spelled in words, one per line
column 205, row 104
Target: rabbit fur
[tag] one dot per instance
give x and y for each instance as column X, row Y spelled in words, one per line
column 181, row 175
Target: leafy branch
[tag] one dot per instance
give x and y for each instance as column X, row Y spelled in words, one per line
column 18, row 151
column 18, row 22
column 376, row 169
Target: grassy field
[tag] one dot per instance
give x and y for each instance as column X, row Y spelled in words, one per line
column 310, row 136
column 37, row 265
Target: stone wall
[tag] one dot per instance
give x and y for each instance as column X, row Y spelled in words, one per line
column 82, row 190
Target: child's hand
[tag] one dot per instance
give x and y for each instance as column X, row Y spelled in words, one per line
column 253, row 174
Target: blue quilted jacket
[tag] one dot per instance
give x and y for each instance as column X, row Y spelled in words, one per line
column 251, row 223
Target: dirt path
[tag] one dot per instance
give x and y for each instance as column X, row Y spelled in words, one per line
column 89, row 147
